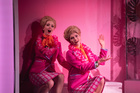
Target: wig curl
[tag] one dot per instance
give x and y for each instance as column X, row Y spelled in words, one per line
column 70, row 30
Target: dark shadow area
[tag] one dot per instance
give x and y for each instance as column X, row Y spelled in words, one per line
column 133, row 47
column 28, row 55
column 118, row 43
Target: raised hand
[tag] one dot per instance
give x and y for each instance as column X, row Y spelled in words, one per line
column 103, row 59
column 101, row 41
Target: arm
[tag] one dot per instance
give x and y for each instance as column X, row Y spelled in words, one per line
column 61, row 59
column 103, row 51
column 47, row 52
column 78, row 64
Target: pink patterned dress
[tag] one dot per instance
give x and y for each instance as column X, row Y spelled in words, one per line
column 43, row 68
column 80, row 79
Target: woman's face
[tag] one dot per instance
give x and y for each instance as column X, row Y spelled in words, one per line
column 48, row 28
column 75, row 39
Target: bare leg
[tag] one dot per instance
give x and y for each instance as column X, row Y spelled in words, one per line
column 100, row 87
column 59, row 82
column 47, row 87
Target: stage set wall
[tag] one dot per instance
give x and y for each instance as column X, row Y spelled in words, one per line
column 6, row 47
column 91, row 16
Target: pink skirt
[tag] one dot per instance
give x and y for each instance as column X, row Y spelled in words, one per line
column 39, row 79
column 88, row 87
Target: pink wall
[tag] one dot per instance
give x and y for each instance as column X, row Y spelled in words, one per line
column 6, row 47
column 91, row 16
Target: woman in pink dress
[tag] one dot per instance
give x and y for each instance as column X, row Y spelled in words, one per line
column 82, row 60
column 47, row 50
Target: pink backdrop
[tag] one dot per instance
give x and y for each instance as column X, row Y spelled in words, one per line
column 6, row 47
column 93, row 17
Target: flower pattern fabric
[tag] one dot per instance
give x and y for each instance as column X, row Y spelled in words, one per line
column 80, row 56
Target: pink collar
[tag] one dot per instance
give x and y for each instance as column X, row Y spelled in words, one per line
column 80, row 56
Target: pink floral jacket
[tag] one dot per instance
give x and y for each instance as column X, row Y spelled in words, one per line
column 45, row 57
column 79, row 66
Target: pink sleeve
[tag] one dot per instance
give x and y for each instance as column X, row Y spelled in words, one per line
column 47, row 52
column 103, row 53
column 61, row 59
column 78, row 64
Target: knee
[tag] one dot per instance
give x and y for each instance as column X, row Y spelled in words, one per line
column 102, row 81
column 46, row 87
column 50, row 84
column 61, row 77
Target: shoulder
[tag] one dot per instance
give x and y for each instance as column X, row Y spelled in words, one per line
column 39, row 38
column 69, row 52
column 70, row 55
column 86, row 47
column 55, row 37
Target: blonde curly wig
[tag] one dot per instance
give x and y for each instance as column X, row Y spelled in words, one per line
column 45, row 19
column 69, row 30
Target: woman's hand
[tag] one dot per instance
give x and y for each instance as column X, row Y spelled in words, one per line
column 101, row 41
column 103, row 59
